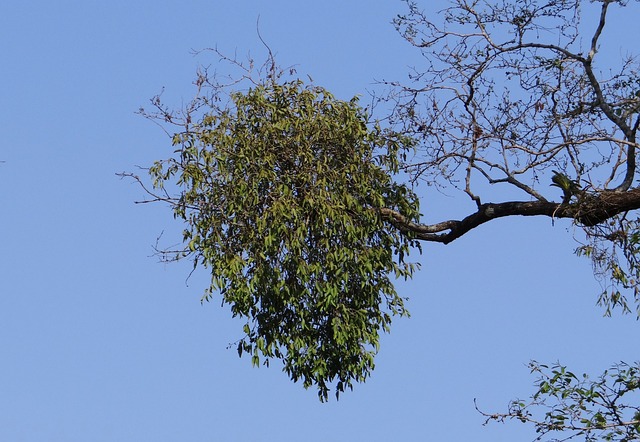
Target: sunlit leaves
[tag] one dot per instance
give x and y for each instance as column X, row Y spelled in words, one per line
column 580, row 408
column 280, row 193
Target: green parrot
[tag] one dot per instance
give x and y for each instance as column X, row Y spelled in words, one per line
column 568, row 186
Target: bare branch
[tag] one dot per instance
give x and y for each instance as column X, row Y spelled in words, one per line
column 590, row 211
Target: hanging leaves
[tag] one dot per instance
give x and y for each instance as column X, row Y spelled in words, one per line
column 281, row 192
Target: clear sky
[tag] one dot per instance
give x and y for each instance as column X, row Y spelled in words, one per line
column 100, row 342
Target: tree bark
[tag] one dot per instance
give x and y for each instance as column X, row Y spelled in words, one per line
column 589, row 210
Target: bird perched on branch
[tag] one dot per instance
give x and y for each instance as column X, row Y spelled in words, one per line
column 569, row 187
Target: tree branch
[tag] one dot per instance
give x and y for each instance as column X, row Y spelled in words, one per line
column 589, row 210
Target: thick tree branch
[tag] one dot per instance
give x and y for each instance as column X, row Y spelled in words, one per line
column 589, row 210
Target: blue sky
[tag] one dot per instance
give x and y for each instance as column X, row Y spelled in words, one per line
column 100, row 342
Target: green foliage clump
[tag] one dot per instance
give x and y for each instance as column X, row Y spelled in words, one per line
column 605, row 408
column 280, row 190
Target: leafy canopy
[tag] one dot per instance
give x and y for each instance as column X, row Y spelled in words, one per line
column 281, row 191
